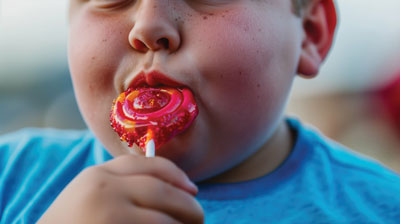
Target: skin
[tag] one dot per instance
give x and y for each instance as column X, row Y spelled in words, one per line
column 239, row 57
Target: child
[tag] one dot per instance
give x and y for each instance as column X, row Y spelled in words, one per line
column 251, row 165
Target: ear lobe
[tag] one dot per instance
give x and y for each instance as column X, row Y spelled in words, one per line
column 319, row 23
column 310, row 61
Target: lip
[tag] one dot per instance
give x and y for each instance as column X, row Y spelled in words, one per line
column 153, row 79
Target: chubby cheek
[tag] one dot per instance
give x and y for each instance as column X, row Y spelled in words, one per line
column 94, row 53
column 248, row 72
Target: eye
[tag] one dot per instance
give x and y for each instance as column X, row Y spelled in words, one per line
column 212, row 3
column 107, row 4
column 215, row 2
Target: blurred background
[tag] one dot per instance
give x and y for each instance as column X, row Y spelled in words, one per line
column 355, row 99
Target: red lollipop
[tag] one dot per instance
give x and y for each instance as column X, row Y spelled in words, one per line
column 150, row 117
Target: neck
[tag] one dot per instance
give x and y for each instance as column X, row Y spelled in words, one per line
column 264, row 161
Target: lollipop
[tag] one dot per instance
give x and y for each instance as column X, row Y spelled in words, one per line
column 149, row 117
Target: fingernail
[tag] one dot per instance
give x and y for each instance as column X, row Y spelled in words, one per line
column 193, row 187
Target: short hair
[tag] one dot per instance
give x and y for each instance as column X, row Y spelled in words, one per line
column 298, row 5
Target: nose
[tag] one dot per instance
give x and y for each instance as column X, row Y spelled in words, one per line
column 153, row 28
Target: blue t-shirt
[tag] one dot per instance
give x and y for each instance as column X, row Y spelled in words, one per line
column 320, row 181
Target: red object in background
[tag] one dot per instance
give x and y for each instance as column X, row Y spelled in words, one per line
column 389, row 96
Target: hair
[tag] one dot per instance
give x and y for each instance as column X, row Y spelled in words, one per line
column 298, row 5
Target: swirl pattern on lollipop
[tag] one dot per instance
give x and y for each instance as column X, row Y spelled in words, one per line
column 145, row 113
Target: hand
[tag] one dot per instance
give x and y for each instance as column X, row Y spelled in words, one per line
column 127, row 189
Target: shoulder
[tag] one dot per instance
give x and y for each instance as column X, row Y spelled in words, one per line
column 41, row 134
column 339, row 156
column 343, row 159
column 355, row 176
column 35, row 144
column 38, row 138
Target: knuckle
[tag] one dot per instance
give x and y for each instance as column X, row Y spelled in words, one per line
column 95, row 180
column 91, row 172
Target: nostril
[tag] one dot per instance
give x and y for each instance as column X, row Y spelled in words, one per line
column 164, row 42
column 139, row 45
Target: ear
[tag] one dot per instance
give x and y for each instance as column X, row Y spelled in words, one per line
column 319, row 24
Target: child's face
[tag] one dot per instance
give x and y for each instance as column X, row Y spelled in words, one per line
column 238, row 57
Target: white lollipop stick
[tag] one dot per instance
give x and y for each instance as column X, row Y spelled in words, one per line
column 150, row 148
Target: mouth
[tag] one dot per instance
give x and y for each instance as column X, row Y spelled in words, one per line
column 152, row 79
column 158, row 113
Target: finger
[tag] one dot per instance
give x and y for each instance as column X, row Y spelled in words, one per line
column 145, row 215
column 128, row 214
column 158, row 167
column 153, row 193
